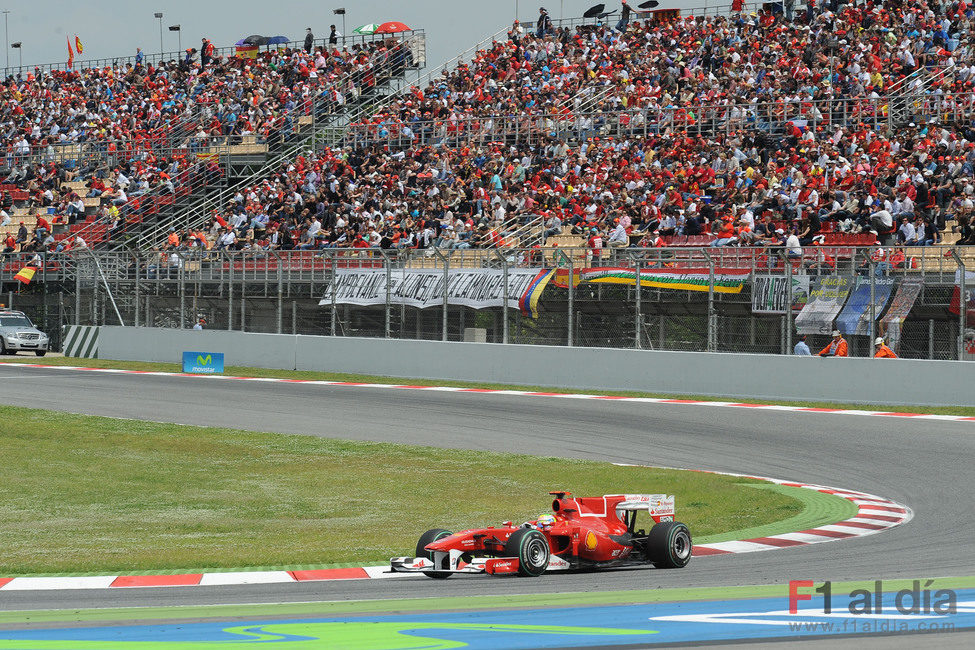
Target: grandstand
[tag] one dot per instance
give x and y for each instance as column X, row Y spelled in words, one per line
column 841, row 137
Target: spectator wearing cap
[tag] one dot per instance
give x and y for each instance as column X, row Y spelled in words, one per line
column 836, row 348
column 333, row 35
column 618, row 238
column 882, row 351
column 624, row 17
column 802, row 348
column 544, row 24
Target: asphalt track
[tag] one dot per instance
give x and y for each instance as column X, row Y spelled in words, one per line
column 925, row 465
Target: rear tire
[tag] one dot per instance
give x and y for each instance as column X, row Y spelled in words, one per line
column 532, row 550
column 430, row 537
column 669, row 545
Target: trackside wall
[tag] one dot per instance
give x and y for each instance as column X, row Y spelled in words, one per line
column 902, row 381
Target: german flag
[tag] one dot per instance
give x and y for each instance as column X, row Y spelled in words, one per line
column 25, row 274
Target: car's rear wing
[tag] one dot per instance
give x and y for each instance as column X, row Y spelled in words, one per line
column 660, row 506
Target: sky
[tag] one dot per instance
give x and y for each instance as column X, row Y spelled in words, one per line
column 115, row 28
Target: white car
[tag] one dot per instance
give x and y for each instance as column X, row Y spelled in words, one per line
column 18, row 333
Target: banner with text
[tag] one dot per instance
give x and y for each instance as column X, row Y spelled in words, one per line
column 770, row 293
column 900, row 307
column 826, row 298
column 855, row 317
column 476, row 288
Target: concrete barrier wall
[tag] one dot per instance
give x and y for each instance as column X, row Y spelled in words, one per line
column 167, row 346
column 735, row 375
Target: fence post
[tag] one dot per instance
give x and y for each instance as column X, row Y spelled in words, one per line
column 389, row 278
column 873, row 306
column 712, row 325
column 571, row 305
column 182, row 292
column 77, row 294
column 334, row 294
column 504, row 299
column 280, row 294
column 962, row 304
column 788, row 307
column 230, row 290
column 638, row 315
column 446, row 280
column 138, row 302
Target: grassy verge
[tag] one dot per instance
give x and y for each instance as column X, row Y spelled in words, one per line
column 374, row 379
column 86, row 494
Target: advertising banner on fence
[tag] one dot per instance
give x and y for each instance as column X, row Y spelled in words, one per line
column 203, row 363
column 855, row 317
column 725, row 280
column 477, row 288
column 900, row 307
column 969, row 296
column 826, row 298
column 771, row 292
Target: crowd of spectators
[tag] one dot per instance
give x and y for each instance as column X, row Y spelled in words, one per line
column 136, row 129
column 749, row 182
column 739, row 185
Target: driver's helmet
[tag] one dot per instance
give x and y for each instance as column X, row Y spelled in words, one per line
column 545, row 522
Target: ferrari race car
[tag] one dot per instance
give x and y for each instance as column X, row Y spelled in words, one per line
column 582, row 533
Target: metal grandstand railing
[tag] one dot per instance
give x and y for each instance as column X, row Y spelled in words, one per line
column 705, row 119
column 227, row 51
column 302, row 265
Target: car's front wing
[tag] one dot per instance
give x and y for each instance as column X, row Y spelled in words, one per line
column 456, row 564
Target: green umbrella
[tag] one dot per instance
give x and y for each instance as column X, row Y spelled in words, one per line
column 368, row 28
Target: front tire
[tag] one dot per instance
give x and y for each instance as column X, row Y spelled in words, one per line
column 430, row 537
column 669, row 545
column 532, row 550
column 3, row 347
column 40, row 353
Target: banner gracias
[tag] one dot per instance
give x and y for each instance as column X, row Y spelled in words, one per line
column 476, row 288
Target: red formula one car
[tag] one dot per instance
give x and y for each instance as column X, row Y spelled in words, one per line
column 582, row 533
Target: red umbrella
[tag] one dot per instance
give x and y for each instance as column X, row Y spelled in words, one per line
column 393, row 26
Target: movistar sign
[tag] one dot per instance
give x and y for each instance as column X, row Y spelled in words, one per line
column 203, row 363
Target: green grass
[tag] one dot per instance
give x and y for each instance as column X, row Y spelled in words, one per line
column 88, row 494
column 374, row 379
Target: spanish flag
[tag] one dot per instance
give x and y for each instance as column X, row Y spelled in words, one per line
column 25, row 274
column 70, row 53
column 77, row 45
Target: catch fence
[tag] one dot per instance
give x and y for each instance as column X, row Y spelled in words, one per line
column 696, row 299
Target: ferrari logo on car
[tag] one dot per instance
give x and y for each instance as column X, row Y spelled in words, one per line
column 591, row 541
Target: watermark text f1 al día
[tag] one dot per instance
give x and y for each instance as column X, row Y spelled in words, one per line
column 918, row 599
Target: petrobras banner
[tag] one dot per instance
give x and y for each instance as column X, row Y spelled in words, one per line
column 476, row 288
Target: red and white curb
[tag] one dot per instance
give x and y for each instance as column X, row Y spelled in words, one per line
column 522, row 393
column 874, row 514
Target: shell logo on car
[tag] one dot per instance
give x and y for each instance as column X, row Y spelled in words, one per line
column 591, row 541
